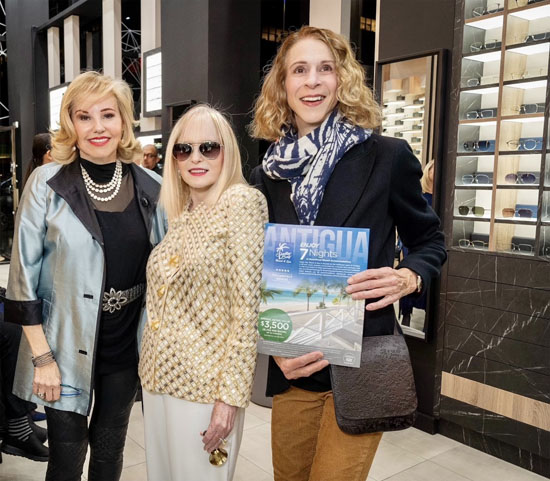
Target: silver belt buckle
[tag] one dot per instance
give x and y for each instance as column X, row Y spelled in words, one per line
column 114, row 300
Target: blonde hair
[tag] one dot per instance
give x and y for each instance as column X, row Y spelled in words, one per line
column 91, row 86
column 174, row 193
column 427, row 186
column 272, row 114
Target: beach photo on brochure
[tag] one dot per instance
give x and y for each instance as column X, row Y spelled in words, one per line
column 305, row 306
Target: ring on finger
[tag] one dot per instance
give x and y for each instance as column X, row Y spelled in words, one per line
column 41, row 395
column 223, row 441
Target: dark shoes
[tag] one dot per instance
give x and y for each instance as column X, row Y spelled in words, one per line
column 41, row 433
column 32, row 448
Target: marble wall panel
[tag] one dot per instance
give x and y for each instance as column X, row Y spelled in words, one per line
column 495, row 426
column 508, row 452
column 533, row 329
column 516, row 271
column 505, row 297
column 500, row 349
column 503, row 376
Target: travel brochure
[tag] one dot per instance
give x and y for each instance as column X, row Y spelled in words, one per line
column 305, row 306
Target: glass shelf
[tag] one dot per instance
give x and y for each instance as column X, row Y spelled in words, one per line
column 501, row 138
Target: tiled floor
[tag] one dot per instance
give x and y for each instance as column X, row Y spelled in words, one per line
column 409, row 455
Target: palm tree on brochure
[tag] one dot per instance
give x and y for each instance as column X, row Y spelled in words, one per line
column 266, row 293
column 324, row 287
column 306, row 288
column 342, row 294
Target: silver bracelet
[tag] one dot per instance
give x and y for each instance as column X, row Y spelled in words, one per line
column 43, row 359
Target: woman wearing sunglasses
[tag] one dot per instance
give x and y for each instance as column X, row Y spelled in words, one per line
column 84, row 230
column 327, row 167
column 198, row 352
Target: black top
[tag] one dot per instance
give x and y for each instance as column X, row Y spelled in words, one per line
column 127, row 247
column 375, row 185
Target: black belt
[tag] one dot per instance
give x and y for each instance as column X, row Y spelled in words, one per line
column 116, row 300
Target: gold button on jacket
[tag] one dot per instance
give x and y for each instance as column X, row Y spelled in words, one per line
column 203, row 299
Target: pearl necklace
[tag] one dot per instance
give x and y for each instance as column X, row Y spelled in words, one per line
column 94, row 188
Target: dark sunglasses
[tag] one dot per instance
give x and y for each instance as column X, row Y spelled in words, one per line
column 209, row 150
column 476, row 210
column 525, row 178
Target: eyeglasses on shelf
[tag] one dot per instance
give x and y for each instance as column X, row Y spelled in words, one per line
column 480, row 11
column 480, row 80
column 476, row 210
column 487, row 45
column 476, row 179
column 479, row 145
column 476, row 244
column 536, row 37
column 527, row 248
column 481, row 113
column 535, row 108
column 524, row 144
column 523, row 178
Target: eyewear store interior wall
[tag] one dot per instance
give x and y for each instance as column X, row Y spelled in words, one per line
column 479, row 108
column 502, row 185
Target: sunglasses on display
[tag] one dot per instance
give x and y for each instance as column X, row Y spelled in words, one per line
column 476, row 179
column 521, row 247
column 488, row 45
column 523, row 3
column 481, row 114
column 521, row 212
column 476, row 210
column 536, row 37
column 480, row 11
column 476, row 81
column 476, row 244
column 209, row 150
column 529, row 108
column 479, row 145
column 524, row 144
column 526, row 178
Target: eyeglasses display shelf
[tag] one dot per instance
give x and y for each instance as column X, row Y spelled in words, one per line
column 502, row 178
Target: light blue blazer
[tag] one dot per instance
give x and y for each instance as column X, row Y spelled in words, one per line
column 57, row 273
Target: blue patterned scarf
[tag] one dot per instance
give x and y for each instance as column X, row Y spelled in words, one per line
column 307, row 162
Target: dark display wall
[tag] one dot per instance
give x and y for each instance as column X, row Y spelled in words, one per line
column 400, row 37
column 496, row 320
column 211, row 53
column 490, row 353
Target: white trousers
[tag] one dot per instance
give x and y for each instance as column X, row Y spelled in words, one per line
column 173, row 445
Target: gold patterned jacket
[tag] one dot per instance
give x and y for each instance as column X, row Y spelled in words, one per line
column 203, row 298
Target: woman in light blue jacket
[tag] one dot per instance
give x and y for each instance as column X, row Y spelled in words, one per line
column 84, row 230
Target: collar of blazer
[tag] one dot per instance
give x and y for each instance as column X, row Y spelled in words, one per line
column 69, row 185
column 342, row 193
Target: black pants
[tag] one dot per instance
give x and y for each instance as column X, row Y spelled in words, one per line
column 10, row 337
column 69, row 434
